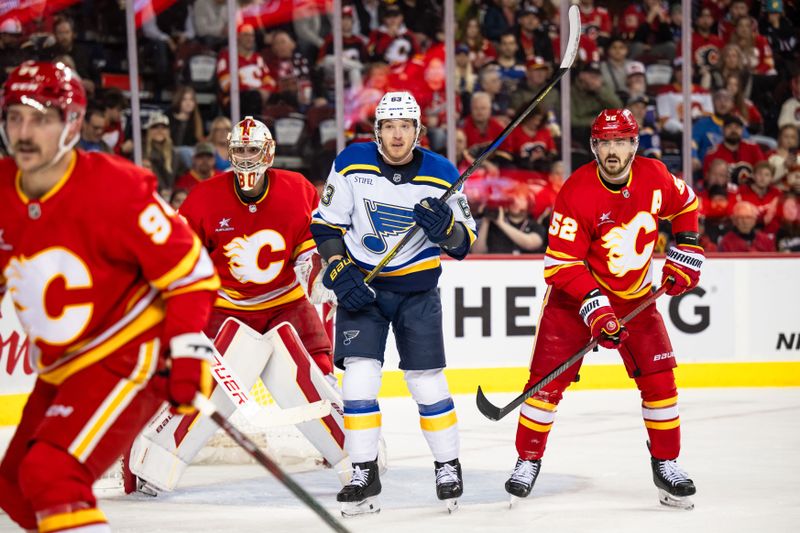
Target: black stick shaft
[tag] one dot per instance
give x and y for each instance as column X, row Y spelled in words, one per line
column 493, row 412
column 206, row 407
column 490, row 149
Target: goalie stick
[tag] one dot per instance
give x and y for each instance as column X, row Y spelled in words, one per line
column 207, row 408
column 492, row 412
column 569, row 59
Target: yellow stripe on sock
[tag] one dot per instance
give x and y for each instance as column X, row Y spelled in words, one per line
column 438, row 423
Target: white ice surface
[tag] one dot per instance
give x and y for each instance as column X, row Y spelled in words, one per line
column 741, row 447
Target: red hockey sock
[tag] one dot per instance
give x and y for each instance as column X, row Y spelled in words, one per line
column 536, row 419
column 660, row 413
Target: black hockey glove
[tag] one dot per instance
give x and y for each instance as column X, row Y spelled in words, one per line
column 436, row 220
column 343, row 278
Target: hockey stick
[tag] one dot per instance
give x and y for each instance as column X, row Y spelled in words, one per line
column 207, row 408
column 492, row 412
column 569, row 58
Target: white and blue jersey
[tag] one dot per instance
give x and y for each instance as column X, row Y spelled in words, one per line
column 370, row 205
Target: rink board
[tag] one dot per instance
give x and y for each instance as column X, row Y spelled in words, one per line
column 738, row 328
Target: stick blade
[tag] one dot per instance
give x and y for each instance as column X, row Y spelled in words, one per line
column 574, row 37
column 487, row 408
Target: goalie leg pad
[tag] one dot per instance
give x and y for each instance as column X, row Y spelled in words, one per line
column 437, row 413
column 167, row 446
column 293, row 380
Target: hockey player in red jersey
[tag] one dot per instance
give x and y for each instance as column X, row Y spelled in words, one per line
column 113, row 290
column 254, row 221
column 599, row 267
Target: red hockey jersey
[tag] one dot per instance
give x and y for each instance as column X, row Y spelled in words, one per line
column 600, row 237
column 98, row 262
column 254, row 246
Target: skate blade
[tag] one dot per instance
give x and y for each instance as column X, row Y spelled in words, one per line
column 512, row 500
column 146, row 489
column 678, row 502
column 369, row 505
column 452, row 505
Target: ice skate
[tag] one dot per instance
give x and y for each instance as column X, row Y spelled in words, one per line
column 449, row 483
column 520, row 484
column 360, row 496
column 674, row 485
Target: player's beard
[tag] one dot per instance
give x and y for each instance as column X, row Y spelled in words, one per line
column 621, row 169
column 396, row 154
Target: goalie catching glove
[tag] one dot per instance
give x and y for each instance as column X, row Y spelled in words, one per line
column 435, row 218
column 597, row 313
column 683, row 265
column 189, row 373
column 309, row 269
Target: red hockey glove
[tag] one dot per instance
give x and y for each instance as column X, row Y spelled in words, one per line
column 190, row 354
column 598, row 314
column 683, row 265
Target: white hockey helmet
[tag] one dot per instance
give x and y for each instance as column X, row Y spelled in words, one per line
column 251, row 151
column 397, row 105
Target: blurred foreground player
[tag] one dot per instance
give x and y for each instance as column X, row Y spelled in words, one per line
column 599, row 266
column 113, row 290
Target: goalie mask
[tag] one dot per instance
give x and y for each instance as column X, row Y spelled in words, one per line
column 614, row 142
column 251, row 151
column 396, row 105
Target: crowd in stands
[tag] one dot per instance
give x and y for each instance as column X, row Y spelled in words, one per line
column 745, row 99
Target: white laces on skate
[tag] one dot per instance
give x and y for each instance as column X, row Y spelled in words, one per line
column 672, row 472
column 446, row 474
column 360, row 477
column 525, row 471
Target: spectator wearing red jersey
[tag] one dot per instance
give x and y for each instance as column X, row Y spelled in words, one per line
column 532, row 36
column 595, row 21
column 255, row 83
column 531, row 143
column 757, row 51
column 481, row 49
column 291, row 72
column 744, row 237
column 740, row 154
column 202, row 167
column 791, row 183
column 706, row 45
column 480, row 127
column 392, row 42
column 736, row 10
column 760, row 192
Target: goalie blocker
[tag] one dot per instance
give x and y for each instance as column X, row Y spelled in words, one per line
column 167, row 446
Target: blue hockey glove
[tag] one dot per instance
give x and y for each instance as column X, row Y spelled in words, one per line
column 436, row 220
column 343, row 278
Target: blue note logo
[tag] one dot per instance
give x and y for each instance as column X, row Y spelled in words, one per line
column 387, row 221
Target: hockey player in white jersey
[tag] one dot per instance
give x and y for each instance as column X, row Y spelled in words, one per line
column 374, row 194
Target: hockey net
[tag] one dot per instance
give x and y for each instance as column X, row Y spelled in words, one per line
column 262, row 421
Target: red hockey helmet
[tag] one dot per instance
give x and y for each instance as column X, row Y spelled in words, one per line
column 42, row 85
column 614, row 124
